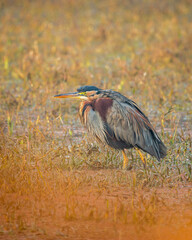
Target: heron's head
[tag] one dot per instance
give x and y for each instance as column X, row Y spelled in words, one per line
column 84, row 93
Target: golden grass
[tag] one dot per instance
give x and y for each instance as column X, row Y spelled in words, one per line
column 55, row 182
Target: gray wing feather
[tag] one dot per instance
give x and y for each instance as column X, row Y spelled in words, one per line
column 130, row 125
column 118, row 120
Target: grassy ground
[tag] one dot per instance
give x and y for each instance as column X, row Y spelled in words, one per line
column 55, row 181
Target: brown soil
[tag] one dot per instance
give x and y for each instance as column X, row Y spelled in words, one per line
column 104, row 212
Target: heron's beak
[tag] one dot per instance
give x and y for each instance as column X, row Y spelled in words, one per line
column 71, row 95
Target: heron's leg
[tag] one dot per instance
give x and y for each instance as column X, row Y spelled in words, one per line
column 126, row 160
column 142, row 158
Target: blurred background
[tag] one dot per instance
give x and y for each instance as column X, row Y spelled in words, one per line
column 141, row 48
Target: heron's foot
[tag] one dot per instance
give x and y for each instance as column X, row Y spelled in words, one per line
column 125, row 160
column 142, row 158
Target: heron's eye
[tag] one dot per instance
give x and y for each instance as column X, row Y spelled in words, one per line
column 83, row 93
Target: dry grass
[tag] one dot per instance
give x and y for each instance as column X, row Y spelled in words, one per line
column 55, row 182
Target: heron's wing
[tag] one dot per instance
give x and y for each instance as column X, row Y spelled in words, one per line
column 130, row 125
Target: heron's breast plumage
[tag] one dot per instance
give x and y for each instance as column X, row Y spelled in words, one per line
column 100, row 106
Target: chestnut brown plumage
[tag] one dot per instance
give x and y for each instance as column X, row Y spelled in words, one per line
column 117, row 121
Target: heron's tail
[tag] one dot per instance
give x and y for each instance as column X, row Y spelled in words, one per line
column 157, row 149
column 162, row 150
column 153, row 145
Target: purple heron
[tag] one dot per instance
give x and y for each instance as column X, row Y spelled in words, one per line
column 117, row 121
